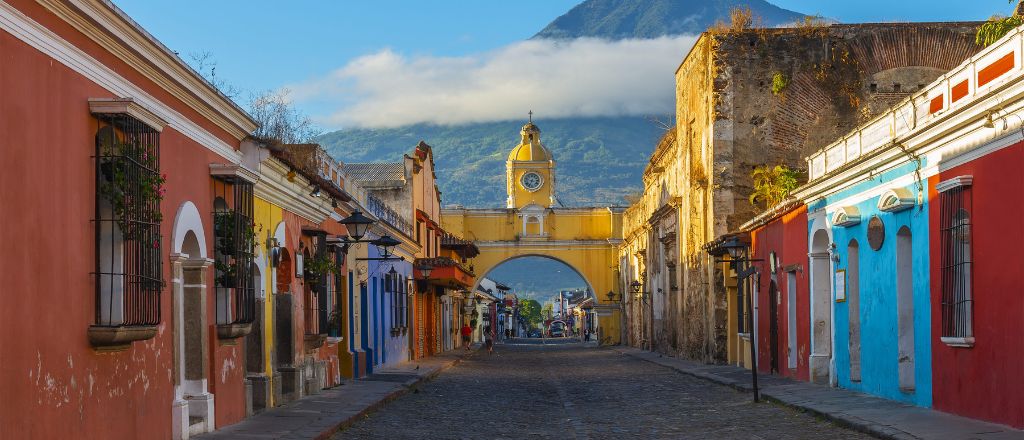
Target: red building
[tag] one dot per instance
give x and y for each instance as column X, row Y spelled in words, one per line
column 976, row 272
column 108, row 138
column 779, row 240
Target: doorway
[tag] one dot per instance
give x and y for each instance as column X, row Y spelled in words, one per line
column 773, row 325
column 905, row 308
column 821, row 309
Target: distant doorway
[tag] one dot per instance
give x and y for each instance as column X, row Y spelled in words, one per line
column 821, row 309
column 773, row 325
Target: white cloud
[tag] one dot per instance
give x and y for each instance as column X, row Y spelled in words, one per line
column 585, row 77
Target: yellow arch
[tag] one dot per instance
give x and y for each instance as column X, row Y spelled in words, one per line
column 585, row 239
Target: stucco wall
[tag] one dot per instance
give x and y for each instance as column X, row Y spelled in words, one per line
column 786, row 236
column 984, row 381
column 50, row 372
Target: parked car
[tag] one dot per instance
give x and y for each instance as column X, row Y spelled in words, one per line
column 557, row 333
column 533, row 334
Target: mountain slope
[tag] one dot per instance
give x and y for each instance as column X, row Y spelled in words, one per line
column 619, row 19
column 599, row 159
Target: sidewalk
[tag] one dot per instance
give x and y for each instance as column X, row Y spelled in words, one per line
column 321, row 415
column 882, row 418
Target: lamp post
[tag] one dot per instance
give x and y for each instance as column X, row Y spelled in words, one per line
column 738, row 254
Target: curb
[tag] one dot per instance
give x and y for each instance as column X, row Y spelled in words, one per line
column 406, row 388
column 856, row 424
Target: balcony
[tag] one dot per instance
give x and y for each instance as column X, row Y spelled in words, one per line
column 447, row 272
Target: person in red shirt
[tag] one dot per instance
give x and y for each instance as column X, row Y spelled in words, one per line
column 466, row 332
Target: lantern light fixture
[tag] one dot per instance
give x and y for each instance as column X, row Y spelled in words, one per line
column 357, row 225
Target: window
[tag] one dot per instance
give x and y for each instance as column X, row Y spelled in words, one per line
column 234, row 240
column 404, row 296
column 129, row 188
column 957, row 299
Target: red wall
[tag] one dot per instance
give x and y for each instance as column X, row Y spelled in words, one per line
column 985, row 381
column 787, row 237
column 54, row 384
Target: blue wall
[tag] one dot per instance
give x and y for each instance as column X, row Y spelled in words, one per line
column 878, row 297
column 387, row 349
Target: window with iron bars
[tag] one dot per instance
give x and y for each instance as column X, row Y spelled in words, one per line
column 957, row 298
column 234, row 241
column 129, row 188
column 316, row 272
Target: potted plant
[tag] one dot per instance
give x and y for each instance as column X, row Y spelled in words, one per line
column 334, row 323
column 224, row 225
column 319, row 266
column 130, row 181
column 227, row 275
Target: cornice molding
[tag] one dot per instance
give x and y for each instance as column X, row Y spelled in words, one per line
column 46, row 41
column 275, row 188
column 140, row 50
column 126, row 106
column 955, row 182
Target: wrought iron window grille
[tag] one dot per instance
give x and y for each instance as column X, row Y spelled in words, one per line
column 234, row 244
column 129, row 188
column 957, row 299
column 318, row 319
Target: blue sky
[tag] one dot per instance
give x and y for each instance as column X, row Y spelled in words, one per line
column 340, row 55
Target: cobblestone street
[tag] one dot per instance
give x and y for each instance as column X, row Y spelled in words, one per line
column 528, row 390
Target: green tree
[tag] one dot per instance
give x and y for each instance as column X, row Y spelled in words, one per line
column 997, row 27
column 530, row 310
column 547, row 310
column 772, row 184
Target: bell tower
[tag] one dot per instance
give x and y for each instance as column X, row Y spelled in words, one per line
column 530, row 171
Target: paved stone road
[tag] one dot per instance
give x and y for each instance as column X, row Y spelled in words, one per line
column 566, row 391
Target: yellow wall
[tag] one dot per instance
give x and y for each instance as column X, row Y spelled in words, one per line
column 267, row 216
column 585, row 239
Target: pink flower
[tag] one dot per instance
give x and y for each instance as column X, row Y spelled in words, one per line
column 156, row 243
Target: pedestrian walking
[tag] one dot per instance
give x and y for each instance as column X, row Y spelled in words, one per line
column 466, row 332
column 489, row 341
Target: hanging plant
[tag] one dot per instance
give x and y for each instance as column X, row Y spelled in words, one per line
column 224, row 224
column 130, row 181
column 227, row 274
column 319, row 266
column 334, row 322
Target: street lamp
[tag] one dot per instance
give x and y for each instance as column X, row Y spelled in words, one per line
column 737, row 251
column 384, row 245
column 357, row 225
column 425, row 270
column 611, row 296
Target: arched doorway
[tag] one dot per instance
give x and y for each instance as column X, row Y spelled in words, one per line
column 554, row 284
column 905, row 309
column 193, row 406
column 821, row 308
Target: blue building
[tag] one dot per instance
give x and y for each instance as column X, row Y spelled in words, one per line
column 869, row 270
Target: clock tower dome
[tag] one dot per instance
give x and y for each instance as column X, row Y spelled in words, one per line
column 530, row 171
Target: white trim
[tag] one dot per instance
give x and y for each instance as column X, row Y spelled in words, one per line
column 126, row 106
column 846, row 216
column 234, row 170
column 274, row 187
column 46, row 41
column 116, row 32
column 955, row 182
column 896, row 200
column 188, row 219
column 958, row 342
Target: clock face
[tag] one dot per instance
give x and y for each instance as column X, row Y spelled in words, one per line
column 531, row 181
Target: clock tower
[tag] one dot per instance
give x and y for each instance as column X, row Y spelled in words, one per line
column 530, row 171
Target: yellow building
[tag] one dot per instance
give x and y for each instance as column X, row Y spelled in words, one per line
column 585, row 239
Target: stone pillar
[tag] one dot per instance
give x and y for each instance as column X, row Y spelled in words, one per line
column 196, row 345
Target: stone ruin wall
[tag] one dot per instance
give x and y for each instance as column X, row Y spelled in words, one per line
column 728, row 121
